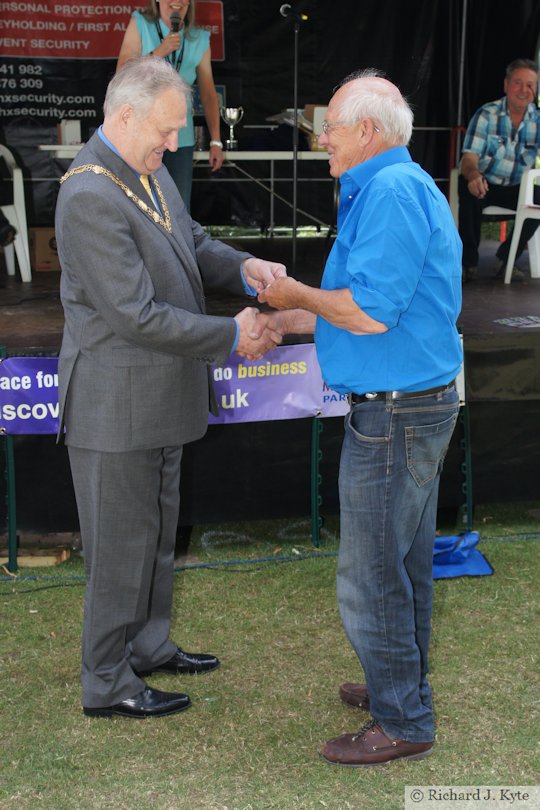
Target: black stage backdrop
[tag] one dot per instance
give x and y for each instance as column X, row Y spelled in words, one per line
column 67, row 51
column 418, row 44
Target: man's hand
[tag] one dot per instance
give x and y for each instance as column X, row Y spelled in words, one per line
column 259, row 273
column 281, row 293
column 292, row 321
column 256, row 334
column 281, row 321
column 478, row 186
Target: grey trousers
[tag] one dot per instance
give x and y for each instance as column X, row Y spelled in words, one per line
column 128, row 506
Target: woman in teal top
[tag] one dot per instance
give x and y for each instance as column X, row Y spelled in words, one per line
column 188, row 50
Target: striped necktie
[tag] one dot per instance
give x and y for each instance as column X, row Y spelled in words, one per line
column 146, row 184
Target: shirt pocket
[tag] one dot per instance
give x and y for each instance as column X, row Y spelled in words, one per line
column 495, row 146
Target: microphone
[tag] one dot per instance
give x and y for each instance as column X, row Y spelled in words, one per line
column 175, row 21
column 286, row 10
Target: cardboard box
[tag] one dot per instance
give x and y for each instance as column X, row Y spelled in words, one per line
column 315, row 114
column 43, row 253
column 69, row 132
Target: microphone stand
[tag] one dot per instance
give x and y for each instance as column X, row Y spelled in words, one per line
column 287, row 11
column 295, row 144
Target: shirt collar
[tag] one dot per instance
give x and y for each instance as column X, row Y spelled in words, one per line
column 530, row 112
column 107, row 142
column 360, row 175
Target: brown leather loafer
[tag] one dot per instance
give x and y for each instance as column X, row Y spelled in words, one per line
column 371, row 746
column 355, row 694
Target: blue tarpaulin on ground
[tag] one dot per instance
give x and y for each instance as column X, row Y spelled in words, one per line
column 457, row 556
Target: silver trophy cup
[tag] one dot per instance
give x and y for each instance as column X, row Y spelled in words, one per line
column 232, row 116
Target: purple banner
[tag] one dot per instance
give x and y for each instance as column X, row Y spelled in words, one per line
column 29, row 395
column 285, row 384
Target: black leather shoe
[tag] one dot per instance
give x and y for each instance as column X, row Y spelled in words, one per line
column 148, row 703
column 184, row 663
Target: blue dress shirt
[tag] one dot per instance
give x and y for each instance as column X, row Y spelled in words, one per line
column 399, row 253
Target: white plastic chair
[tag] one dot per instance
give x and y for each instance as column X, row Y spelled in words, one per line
column 16, row 214
column 526, row 210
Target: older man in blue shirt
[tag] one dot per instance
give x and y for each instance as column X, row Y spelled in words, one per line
column 385, row 332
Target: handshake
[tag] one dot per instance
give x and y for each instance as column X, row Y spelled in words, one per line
column 259, row 332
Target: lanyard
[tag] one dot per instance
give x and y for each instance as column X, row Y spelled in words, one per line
column 175, row 62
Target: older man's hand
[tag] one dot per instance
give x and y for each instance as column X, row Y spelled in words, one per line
column 256, row 334
column 282, row 293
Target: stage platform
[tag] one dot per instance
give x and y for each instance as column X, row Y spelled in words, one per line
column 31, row 314
column 267, row 465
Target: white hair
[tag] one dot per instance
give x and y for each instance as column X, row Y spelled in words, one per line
column 139, row 82
column 370, row 95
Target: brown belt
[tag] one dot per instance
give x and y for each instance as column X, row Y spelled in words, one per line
column 390, row 396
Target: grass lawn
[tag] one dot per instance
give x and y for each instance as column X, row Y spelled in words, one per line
column 251, row 739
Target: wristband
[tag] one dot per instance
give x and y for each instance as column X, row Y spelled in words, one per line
column 216, row 143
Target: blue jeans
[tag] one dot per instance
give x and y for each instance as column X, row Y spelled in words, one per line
column 391, row 460
column 180, row 167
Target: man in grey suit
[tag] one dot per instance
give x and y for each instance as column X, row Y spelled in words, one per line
column 135, row 378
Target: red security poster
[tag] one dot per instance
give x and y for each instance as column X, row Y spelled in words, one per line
column 210, row 17
column 57, row 58
column 63, row 30
column 84, row 30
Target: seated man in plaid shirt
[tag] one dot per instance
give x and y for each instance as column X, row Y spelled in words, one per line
column 502, row 140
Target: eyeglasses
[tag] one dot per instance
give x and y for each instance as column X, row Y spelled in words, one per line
column 329, row 126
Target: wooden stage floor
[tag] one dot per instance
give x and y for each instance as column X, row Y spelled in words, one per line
column 31, row 314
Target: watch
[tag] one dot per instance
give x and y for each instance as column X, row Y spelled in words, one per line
column 216, row 143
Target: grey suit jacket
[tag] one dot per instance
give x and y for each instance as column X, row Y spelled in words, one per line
column 137, row 344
